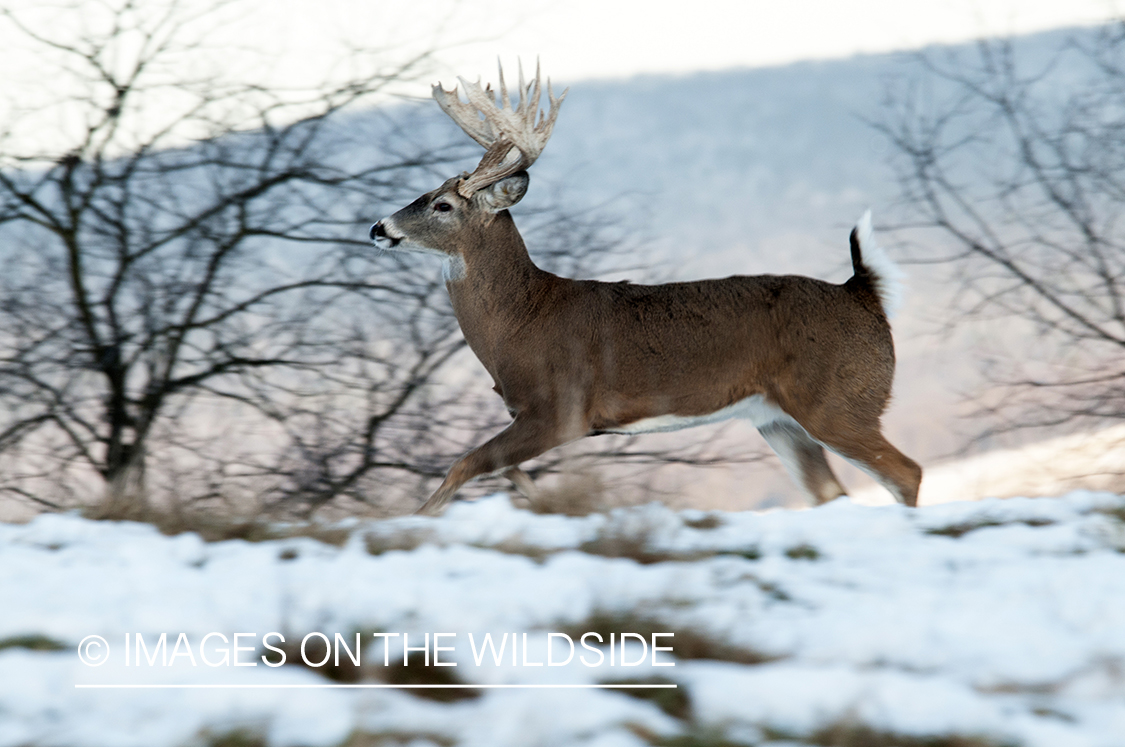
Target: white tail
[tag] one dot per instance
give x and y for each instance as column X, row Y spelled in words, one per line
column 890, row 276
column 810, row 363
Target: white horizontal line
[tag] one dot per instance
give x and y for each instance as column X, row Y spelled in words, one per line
column 380, row 686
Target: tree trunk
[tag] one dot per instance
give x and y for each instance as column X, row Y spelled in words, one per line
column 125, row 496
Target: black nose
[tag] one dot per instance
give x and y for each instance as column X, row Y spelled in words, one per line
column 377, row 231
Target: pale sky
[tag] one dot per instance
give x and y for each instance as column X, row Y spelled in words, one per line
column 291, row 43
column 578, row 39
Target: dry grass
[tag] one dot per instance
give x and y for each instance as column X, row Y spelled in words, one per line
column 372, row 669
column 575, row 495
column 1116, row 512
column 708, row 521
column 234, row 738
column 850, row 734
column 961, row 529
column 397, row 739
column 841, row 734
column 673, row 701
column 637, row 545
column 803, row 552
column 706, row 737
column 686, row 643
column 417, row 674
column 32, row 642
column 405, row 540
column 344, row 672
column 613, row 545
column 213, row 526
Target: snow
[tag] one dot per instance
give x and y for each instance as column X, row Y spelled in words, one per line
column 998, row 619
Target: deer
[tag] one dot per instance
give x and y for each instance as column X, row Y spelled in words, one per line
column 809, row 363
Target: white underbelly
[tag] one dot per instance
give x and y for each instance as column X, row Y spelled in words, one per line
column 757, row 409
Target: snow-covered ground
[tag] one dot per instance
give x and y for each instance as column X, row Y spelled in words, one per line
column 996, row 621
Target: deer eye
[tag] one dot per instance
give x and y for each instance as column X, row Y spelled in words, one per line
column 442, row 207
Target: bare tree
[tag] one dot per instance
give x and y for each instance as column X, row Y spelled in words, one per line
column 184, row 245
column 185, row 237
column 1012, row 156
column 189, row 306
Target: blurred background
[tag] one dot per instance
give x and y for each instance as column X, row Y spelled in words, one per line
column 192, row 320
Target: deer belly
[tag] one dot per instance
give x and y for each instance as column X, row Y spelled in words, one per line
column 757, row 409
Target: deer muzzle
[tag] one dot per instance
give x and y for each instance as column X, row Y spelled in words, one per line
column 379, row 234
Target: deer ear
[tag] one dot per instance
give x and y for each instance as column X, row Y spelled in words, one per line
column 504, row 193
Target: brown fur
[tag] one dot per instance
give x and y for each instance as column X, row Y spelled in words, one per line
column 573, row 358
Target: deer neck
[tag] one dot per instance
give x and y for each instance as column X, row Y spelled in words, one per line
column 495, row 289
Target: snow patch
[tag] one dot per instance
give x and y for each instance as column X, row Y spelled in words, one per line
column 996, row 618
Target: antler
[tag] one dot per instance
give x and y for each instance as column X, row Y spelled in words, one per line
column 504, row 131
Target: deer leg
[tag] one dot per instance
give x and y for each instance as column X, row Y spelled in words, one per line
column 523, row 483
column 803, row 459
column 524, row 438
column 869, row 450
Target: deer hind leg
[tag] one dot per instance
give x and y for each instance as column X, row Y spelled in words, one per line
column 524, row 438
column 868, row 449
column 523, row 483
column 803, row 459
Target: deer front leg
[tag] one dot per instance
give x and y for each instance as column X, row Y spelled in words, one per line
column 525, row 438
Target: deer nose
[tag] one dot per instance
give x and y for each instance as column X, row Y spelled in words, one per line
column 377, row 231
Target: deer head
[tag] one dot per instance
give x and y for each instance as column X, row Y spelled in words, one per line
column 450, row 219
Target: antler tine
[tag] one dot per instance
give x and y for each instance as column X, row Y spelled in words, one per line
column 503, row 129
column 523, row 88
column 465, row 115
column 505, row 102
column 554, row 108
column 539, row 91
column 529, row 96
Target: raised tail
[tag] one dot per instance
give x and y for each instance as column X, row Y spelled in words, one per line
column 872, row 266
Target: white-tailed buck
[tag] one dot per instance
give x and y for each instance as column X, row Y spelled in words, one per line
column 809, row 363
